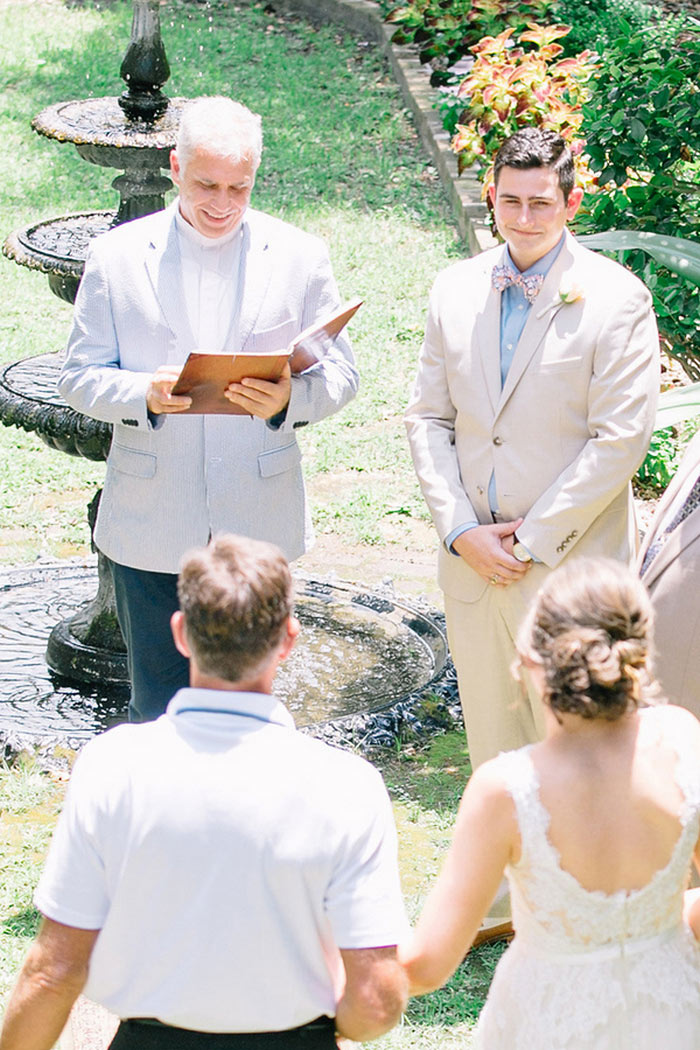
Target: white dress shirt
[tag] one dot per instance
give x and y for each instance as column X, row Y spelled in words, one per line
column 210, row 273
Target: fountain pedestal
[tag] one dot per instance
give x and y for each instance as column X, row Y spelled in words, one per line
column 134, row 134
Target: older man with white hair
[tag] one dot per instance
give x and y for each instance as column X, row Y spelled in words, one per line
column 208, row 273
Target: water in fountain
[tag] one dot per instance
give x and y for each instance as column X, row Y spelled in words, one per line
column 358, row 652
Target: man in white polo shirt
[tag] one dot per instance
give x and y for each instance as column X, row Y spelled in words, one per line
column 214, row 871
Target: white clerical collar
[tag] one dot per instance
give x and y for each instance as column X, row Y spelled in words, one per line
column 198, row 240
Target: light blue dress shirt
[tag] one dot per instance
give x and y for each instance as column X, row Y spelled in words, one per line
column 515, row 310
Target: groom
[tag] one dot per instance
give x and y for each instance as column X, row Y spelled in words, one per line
column 533, row 406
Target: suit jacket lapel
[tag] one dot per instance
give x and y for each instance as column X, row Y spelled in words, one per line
column 544, row 309
column 487, row 335
column 165, row 274
column 254, row 277
column 681, row 536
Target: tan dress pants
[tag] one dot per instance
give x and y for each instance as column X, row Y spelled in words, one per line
column 500, row 713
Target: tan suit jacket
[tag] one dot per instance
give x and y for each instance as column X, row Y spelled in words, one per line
column 673, row 579
column 567, row 431
column 563, row 437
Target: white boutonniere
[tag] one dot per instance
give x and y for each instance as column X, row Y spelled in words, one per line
column 568, row 293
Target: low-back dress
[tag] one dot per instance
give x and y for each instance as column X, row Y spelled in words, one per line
column 590, row 970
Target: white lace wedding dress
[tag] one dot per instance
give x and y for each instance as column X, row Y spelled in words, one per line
column 590, row 970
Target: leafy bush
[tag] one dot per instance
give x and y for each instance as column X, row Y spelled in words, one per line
column 445, row 30
column 642, row 132
column 514, row 87
column 594, row 23
column 660, row 463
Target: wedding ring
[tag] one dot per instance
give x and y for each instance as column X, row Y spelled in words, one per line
column 495, row 579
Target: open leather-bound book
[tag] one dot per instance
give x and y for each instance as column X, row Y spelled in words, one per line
column 205, row 376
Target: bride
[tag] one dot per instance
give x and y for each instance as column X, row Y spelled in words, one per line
column 595, row 827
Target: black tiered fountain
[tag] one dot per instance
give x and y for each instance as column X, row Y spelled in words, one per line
column 134, row 134
column 366, row 656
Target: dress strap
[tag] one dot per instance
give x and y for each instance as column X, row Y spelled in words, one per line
column 520, row 779
column 687, row 772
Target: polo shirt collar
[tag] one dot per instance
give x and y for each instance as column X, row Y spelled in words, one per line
column 259, row 706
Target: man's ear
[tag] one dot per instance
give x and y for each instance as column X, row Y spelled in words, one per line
column 574, row 202
column 287, row 644
column 492, row 194
column 177, row 626
column 175, row 167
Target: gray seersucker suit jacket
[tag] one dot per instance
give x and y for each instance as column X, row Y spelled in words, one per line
column 172, row 481
column 673, row 579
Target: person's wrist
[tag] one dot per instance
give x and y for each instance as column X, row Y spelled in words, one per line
column 520, row 551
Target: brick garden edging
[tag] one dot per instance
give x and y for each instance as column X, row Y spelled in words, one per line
column 364, row 19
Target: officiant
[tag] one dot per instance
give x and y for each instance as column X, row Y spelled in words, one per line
column 207, row 273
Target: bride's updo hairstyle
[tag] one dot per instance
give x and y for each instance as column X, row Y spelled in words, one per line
column 590, row 629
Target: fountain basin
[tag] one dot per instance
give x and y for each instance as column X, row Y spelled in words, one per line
column 363, row 660
column 29, row 399
column 101, row 123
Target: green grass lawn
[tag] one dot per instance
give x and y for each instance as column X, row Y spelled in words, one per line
column 342, row 160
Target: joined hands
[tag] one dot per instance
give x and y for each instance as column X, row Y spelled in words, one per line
column 488, row 550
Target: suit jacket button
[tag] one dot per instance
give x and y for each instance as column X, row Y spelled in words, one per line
column 497, row 440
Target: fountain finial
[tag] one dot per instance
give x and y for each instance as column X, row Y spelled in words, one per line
column 145, row 66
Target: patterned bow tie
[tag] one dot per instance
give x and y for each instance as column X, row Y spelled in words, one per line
column 503, row 277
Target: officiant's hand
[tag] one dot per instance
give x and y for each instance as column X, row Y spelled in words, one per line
column 260, row 397
column 158, row 396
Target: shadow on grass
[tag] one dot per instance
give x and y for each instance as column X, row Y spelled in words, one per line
column 21, row 924
column 427, row 786
column 432, row 777
column 463, row 996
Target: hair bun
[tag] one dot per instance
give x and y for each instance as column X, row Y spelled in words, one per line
column 590, row 629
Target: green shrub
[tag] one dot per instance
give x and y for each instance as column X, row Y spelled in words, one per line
column 660, row 463
column 642, row 132
column 594, row 23
column 445, row 30
column 514, row 87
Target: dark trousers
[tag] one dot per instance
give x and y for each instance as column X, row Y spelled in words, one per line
column 145, row 603
column 151, row 1035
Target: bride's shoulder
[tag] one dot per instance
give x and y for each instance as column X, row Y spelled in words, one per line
column 498, row 777
column 671, row 714
column 673, row 721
